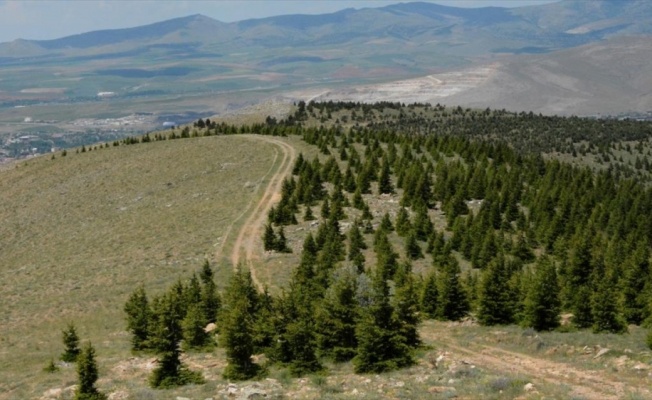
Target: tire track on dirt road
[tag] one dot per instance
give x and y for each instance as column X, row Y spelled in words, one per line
column 587, row 384
column 248, row 240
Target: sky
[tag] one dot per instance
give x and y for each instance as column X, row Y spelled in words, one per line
column 51, row 19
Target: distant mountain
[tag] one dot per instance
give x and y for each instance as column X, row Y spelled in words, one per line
column 370, row 45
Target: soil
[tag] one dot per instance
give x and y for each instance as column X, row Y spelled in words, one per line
column 247, row 247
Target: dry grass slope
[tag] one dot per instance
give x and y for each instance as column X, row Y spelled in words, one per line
column 79, row 233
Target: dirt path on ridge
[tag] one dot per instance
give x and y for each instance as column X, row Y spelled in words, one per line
column 583, row 383
column 249, row 237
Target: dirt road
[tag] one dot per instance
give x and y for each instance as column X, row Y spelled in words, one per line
column 583, row 383
column 247, row 247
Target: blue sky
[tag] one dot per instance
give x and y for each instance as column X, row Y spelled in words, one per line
column 50, row 19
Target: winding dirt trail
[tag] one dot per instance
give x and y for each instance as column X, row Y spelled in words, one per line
column 586, row 384
column 249, row 236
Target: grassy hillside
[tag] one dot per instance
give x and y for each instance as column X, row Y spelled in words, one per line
column 80, row 232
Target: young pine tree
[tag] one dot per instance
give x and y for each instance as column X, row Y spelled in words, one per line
column 406, row 305
column 165, row 338
column 403, row 225
column 336, row 317
column 384, row 181
column 237, row 337
column 192, row 325
column 495, row 302
column 542, row 303
column 210, row 299
column 381, row 347
column 412, row 249
column 452, row 303
column 607, row 317
column 269, row 238
column 71, row 344
column 429, row 296
column 87, row 374
column 138, row 318
column 282, row 243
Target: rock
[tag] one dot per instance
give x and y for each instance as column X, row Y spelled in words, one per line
column 399, row 384
column 451, row 381
column 439, row 360
column 118, row 395
column 622, row 360
column 601, row 353
column 210, row 327
column 528, row 387
column 641, row 367
column 182, row 398
column 441, row 389
column 52, row 393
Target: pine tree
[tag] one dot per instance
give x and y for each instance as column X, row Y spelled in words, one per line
column 495, row 303
column 358, row 201
column 281, row 243
column 429, row 296
column 386, row 258
column 380, row 346
column 607, row 317
column 138, row 318
column 194, row 335
column 87, row 374
column 300, row 335
column 336, row 317
column 384, row 182
column 210, row 299
column 71, row 344
column 422, row 224
column 386, row 223
column 269, row 238
column 582, row 310
column 308, row 215
column 636, row 274
column 165, row 338
column 237, row 336
column 406, row 305
column 452, row 302
column 356, row 244
column 325, row 209
column 542, row 304
column 412, row 248
column 403, row 225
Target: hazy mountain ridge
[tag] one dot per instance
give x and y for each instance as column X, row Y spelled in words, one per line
column 556, row 25
column 197, row 54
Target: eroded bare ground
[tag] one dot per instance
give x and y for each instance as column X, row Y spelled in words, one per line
column 247, row 248
column 581, row 382
column 431, row 89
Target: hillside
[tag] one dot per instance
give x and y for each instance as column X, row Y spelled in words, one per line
column 605, row 78
column 197, row 54
column 150, row 210
column 81, row 231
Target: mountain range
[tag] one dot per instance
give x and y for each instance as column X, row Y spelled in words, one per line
column 197, row 54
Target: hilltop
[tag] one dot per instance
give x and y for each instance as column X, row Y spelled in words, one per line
column 84, row 230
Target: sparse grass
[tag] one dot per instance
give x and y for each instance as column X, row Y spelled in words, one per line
column 79, row 233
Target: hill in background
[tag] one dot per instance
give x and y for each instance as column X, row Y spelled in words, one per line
column 197, row 54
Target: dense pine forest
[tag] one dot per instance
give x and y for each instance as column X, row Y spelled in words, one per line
column 517, row 218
